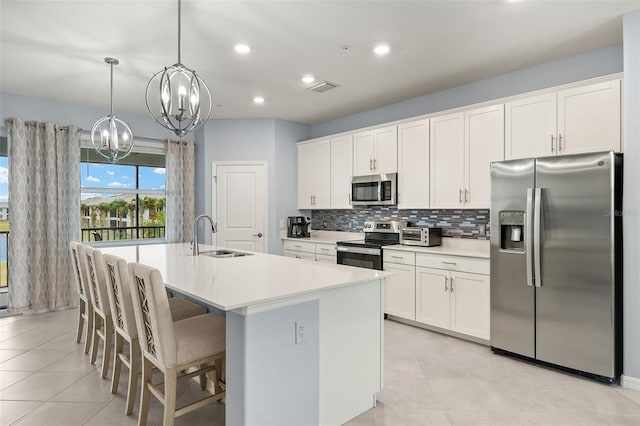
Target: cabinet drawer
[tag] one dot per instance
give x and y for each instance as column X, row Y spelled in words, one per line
column 305, row 246
column 326, row 258
column 453, row 263
column 397, row 256
column 299, row 255
column 326, row 249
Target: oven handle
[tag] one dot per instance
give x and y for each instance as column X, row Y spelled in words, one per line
column 359, row 250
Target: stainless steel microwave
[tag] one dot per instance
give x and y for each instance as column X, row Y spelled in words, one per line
column 374, row 190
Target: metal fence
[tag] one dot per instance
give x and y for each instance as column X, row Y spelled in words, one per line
column 127, row 233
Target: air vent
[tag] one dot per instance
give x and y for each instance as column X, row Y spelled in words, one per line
column 323, row 87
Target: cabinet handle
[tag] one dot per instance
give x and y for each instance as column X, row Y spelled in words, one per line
column 446, row 289
column 375, row 166
column 297, row 246
column 449, row 263
column 460, row 196
column 559, row 142
column 552, row 144
column 451, row 285
column 465, row 195
column 370, row 163
column 397, row 257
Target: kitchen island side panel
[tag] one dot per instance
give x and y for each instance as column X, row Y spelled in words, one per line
column 271, row 380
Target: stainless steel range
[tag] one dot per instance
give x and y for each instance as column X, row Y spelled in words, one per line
column 367, row 253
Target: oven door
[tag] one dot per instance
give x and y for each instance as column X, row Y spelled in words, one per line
column 363, row 257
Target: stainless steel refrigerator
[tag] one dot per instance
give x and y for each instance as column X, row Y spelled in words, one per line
column 556, row 255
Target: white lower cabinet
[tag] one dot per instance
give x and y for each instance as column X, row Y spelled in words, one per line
column 452, row 299
column 400, row 288
column 326, row 253
column 299, row 249
column 320, row 252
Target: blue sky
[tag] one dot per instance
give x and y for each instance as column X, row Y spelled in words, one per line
column 102, row 176
column 116, row 176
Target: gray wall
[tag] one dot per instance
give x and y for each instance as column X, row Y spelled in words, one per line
column 631, row 208
column 270, row 140
column 28, row 108
column 591, row 64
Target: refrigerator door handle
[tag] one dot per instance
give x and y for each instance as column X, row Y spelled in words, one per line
column 528, row 237
column 537, row 235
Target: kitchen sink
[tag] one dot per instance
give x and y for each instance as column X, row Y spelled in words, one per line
column 223, row 253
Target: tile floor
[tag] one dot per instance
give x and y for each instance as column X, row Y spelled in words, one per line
column 430, row 379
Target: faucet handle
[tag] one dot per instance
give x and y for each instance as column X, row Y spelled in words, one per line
column 214, row 227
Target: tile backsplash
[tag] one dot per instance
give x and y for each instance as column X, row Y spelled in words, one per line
column 454, row 223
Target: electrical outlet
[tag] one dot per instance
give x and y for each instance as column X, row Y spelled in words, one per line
column 482, row 230
column 281, row 223
column 301, row 332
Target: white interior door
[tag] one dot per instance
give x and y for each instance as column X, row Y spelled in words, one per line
column 240, row 205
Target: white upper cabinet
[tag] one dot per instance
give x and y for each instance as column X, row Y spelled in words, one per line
column 341, row 171
column 463, row 145
column 413, row 165
column 375, row 151
column 447, row 161
column 589, row 118
column 314, row 175
column 571, row 121
column 530, row 127
column 484, row 144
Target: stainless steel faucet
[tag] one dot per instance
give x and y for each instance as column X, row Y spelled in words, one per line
column 214, row 229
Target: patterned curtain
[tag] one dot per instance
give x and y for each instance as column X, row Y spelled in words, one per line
column 180, row 189
column 44, row 202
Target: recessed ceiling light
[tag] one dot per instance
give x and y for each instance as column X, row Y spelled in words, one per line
column 242, row 48
column 258, row 100
column 381, row 49
column 308, row 78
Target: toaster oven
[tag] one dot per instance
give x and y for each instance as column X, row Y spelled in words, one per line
column 420, row 236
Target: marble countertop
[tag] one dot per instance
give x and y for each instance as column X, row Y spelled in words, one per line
column 240, row 282
column 451, row 247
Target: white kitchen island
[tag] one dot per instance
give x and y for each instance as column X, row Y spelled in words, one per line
column 304, row 338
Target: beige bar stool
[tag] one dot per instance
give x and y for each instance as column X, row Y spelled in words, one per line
column 85, row 312
column 102, row 321
column 118, row 289
column 196, row 343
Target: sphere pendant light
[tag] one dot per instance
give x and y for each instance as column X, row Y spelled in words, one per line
column 110, row 136
column 177, row 98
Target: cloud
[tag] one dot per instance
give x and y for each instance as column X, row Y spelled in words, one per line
column 110, row 172
column 119, row 185
column 4, row 175
column 87, row 195
column 93, row 179
column 160, row 171
column 124, row 177
column 4, row 198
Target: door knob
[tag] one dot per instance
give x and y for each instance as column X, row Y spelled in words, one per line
column 259, row 235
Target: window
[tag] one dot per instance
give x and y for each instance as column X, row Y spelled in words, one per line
column 123, row 201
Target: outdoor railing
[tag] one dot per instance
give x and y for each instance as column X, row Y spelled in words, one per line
column 127, row 233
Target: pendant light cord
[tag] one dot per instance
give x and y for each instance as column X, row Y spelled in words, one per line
column 111, row 99
column 179, row 23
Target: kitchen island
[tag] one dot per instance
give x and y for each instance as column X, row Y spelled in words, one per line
column 304, row 339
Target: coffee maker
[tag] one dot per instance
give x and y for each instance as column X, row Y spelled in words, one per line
column 298, row 227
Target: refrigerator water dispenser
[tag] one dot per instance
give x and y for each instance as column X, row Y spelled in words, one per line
column 512, row 230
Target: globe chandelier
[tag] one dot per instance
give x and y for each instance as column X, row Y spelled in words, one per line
column 177, row 98
column 111, row 137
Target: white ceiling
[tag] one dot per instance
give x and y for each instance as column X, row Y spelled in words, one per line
column 56, row 49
